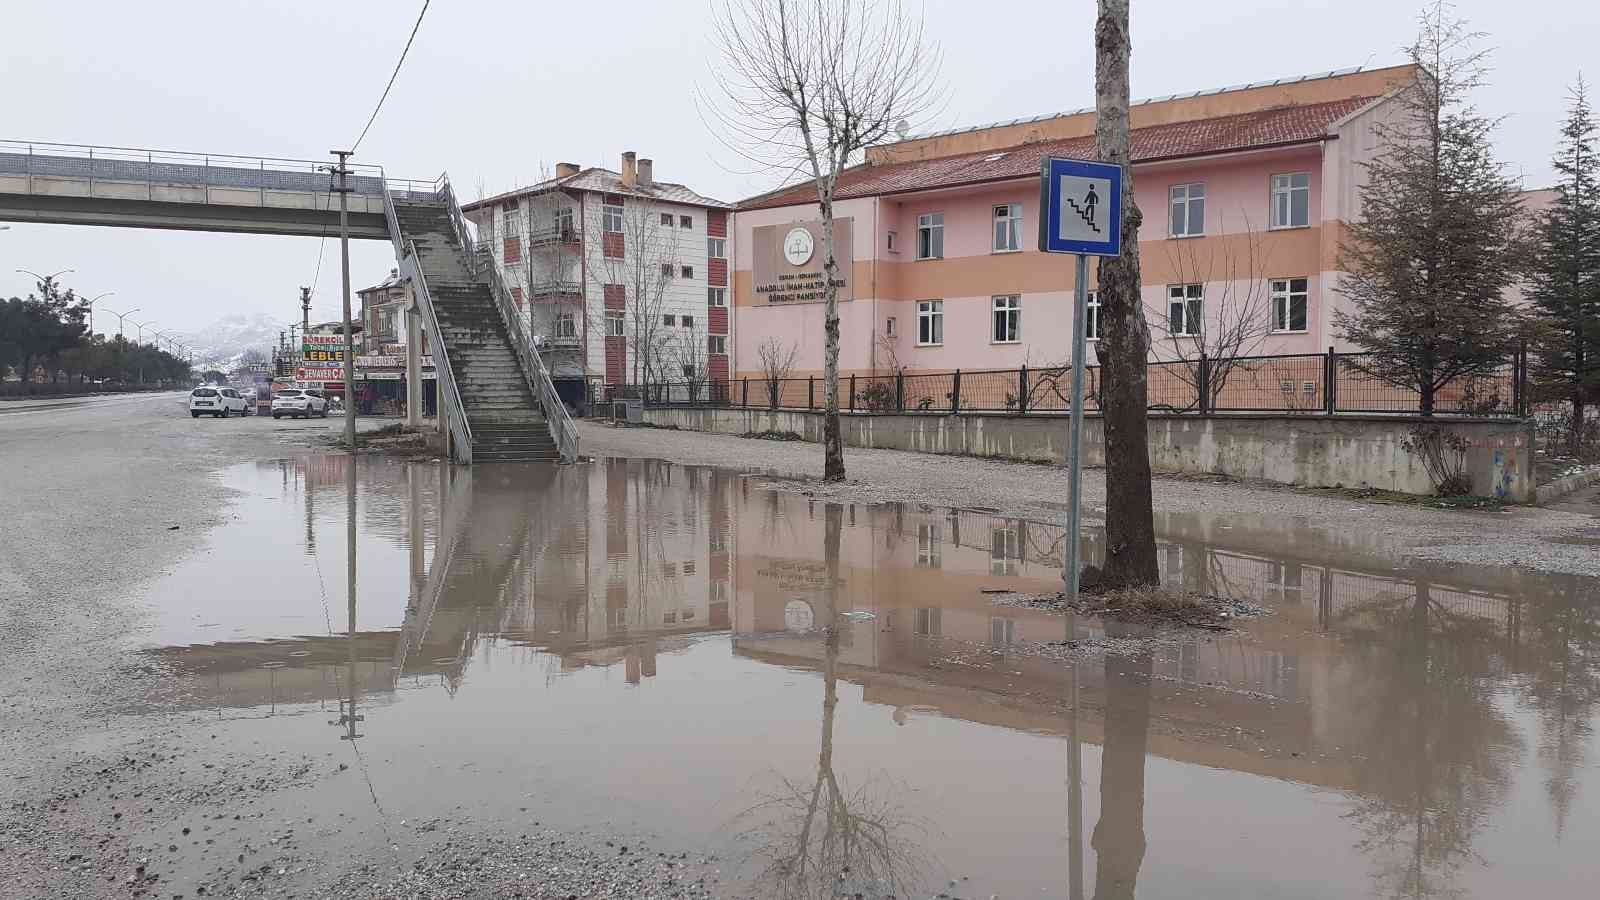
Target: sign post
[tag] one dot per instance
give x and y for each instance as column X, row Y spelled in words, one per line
column 1080, row 206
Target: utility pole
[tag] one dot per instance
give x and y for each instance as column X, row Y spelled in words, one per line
column 305, row 310
column 343, row 171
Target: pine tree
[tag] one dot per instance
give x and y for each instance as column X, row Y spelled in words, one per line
column 1434, row 249
column 1565, row 281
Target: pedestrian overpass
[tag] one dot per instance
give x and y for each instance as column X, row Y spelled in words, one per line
column 72, row 184
column 475, row 327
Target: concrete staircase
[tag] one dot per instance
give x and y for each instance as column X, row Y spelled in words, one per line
column 507, row 423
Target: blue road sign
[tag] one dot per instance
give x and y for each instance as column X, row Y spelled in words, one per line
column 1081, row 202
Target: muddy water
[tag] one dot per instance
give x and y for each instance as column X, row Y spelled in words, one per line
column 645, row 649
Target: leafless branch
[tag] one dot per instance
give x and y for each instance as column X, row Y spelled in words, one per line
column 1235, row 309
column 776, row 360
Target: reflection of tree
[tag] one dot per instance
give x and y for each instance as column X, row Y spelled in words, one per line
column 825, row 839
column 1562, row 625
column 1435, row 749
column 1118, row 838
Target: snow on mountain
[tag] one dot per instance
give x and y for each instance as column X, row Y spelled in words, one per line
column 222, row 344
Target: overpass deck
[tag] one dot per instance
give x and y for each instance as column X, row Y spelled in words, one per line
column 86, row 185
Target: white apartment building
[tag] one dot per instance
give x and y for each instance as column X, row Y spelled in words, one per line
column 622, row 278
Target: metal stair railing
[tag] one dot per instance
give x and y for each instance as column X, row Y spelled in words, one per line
column 451, row 409
column 481, row 264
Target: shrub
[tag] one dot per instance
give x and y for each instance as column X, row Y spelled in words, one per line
column 1444, row 456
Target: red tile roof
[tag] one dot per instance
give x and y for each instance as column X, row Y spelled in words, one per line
column 1263, row 128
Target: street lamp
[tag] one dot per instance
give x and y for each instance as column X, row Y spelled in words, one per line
column 90, row 304
column 142, row 326
column 44, row 278
column 120, row 316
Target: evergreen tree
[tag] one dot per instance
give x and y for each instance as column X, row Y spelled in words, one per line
column 1434, row 249
column 1565, row 281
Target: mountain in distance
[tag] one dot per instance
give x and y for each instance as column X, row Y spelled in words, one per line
column 222, row 344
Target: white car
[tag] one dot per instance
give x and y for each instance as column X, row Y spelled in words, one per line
column 216, row 401
column 296, row 402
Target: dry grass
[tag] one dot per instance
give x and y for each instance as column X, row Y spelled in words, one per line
column 1157, row 606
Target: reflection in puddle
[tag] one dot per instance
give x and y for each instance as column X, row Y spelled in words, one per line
column 821, row 690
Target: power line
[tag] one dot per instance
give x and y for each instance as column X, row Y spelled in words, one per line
column 321, row 243
column 400, row 62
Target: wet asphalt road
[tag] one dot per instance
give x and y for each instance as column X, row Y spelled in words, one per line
column 105, row 790
column 99, row 495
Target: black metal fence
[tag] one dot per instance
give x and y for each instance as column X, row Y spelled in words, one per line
column 1312, row 383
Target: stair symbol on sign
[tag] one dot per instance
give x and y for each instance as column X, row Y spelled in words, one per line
column 1086, row 211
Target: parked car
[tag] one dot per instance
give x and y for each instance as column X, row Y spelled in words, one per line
column 215, row 401
column 299, row 403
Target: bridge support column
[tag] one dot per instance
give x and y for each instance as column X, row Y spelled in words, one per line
column 413, row 366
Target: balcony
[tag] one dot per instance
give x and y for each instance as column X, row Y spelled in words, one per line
column 562, row 342
column 556, row 290
column 555, row 234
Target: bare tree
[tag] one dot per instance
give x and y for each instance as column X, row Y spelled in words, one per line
column 1208, row 337
column 1125, row 338
column 646, row 270
column 777, row 361
column 810, row 84
column 691, row 355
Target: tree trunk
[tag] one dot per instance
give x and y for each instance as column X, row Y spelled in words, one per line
column 1125, row 339
column 1577, row 424
column 832, row 442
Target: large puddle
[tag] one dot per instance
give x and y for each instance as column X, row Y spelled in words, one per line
column 825, row 698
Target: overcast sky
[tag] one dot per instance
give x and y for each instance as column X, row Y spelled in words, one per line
column 496, row 92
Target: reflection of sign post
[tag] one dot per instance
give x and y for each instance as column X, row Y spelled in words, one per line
column 1081, row 213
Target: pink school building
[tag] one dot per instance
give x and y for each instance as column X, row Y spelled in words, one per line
column 1242, row 189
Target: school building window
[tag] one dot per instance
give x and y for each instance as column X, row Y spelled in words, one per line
column 1188, row 203
column 1289, row 304
column 1007, row 227
column 716, row 296
column 930, row 236
column 1291, row 200
column 930, row 322
column 1007, row 320
column 1185, row 308
column 611, row 218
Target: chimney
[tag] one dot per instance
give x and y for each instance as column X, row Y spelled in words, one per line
column 646, row 172
column 630, row 169
column 566, row 170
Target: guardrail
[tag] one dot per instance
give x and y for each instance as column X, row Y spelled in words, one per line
column 451, row 410
column 562, row 428
column 43, row 159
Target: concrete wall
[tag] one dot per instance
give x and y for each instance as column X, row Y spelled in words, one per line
column 1346, row 451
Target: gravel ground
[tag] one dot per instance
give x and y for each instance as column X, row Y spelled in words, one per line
column 1533, row 538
